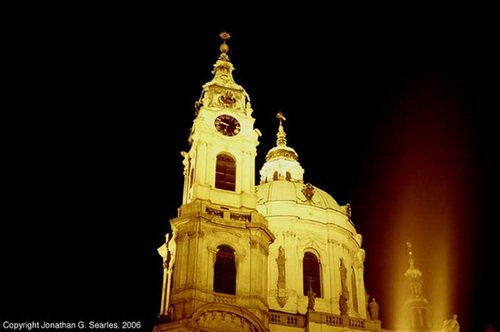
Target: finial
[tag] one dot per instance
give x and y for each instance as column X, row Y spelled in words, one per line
column 224, row 36
column 281, row 141
column 280, row 117
column 412, row 271
column 410, row 254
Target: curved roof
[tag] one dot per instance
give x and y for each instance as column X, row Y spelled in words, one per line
column 282, row 152
column 280, row 198
column 283, row 190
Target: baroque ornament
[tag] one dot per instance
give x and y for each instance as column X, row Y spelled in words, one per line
column 227, row 99
column 308, row 191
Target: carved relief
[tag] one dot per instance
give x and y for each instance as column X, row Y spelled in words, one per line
column 308, row 191
column 227, row 99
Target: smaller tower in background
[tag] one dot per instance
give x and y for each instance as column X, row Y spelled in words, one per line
column 417, row 309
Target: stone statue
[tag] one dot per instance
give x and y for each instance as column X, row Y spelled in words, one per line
column 311, row 299
column 451, row 325
column 343, row 275
column 343, row 304
column 367, row 297
column 281, row 268
column 374, row 309
column 281, row 295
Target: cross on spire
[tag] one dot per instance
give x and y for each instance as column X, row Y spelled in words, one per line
column 281, row 141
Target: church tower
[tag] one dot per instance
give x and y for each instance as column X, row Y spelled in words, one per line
column 417, row 308
column 215, row 260
column 279, row 256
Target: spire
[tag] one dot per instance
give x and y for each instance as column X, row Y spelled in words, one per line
column 281, row 161
column 281, row 135
column 416, row 306
column 412, row 271
column 281, row 151
column 223, row 68
column 410, row 255
column 414, row 278
column 222, row 92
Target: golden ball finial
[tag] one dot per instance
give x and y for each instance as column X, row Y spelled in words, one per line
column 224, row 36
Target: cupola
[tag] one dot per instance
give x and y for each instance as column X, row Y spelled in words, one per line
column 281, row 161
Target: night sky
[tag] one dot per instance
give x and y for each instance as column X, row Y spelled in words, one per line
column 392, row 113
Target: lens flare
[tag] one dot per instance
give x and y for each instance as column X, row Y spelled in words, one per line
column 428, row 185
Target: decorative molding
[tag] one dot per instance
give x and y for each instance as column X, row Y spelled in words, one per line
column 195, row 233
column 225, row 321
column 227, row 99
column 226, row 299
column 308, row 191
column 289, row 234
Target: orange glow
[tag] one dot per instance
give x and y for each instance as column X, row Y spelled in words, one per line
column 428, row 196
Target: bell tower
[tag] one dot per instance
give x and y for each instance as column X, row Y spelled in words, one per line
column 220, row 166
column 417, row 308
column 215, row 260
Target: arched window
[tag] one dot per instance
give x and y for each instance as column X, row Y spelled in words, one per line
column 288, row 176
column 225, row 271
column 225, row 172
column 311, row 274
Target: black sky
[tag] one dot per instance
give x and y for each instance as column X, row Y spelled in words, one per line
column 102, row 104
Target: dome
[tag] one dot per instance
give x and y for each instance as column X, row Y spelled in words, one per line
column 299, row 193
column 303, row 201
column 412, row 271
column 282, row 152
column 282, row 191
column 281, row 160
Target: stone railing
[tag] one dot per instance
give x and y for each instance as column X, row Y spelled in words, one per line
column 281, row 318
column 334, row 320
column 227, row 214
column 357, row 323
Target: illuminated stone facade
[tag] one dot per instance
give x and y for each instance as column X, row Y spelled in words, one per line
column 308, row 222
column 279, row 256
column 215, row 262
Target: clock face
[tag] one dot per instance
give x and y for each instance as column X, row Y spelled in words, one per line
column 227, row 125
